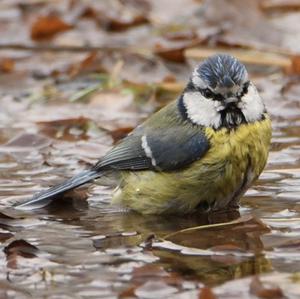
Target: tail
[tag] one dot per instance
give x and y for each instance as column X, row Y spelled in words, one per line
column 43, row 198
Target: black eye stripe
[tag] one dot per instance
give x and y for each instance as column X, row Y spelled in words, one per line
column 218, row 97
column 207, row 93
column 245, row 89
column 210, row 95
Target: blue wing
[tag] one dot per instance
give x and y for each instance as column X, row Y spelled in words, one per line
column 174, row 147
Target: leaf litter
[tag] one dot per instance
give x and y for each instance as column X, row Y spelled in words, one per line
column 76, row 77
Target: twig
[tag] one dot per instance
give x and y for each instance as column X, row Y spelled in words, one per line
column 239, row 220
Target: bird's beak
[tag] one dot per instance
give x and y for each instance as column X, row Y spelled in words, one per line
column 230, row 100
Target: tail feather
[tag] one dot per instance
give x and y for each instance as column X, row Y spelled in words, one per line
column 43, row 198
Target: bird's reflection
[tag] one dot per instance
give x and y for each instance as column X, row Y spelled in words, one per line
column 240, row 241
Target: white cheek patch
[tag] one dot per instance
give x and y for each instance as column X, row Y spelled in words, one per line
column 252, row 105
column 202, row 111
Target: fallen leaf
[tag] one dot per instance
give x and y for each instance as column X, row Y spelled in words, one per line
column 120, row 133
column 87, row 12
column 86, row 64
column 174, row 51
column 19, row 248
column 128, row 293
column 27, row 140
column 65, row 128
column 48, row 26
column 7, row 65
column 4, row 236
column 280, row 5
column 181, row 35
column 121, row 25
column 295, row 67
column 266, row 291
column 88, row 60
column 248, row 56
column 206, row 293
column 176, row 55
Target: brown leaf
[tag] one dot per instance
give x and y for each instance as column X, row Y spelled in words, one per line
column 19, row 248
column 186, row 35
column 121, row 25
column 47, row 26
column 206, row 293
column 60, row 128
column 176, row 55
column 5, row 236
column 265, row 291
column 28, row 140
column 120, row 133
column 7, row 65
column 280, row 5
column 295, row 67
column 88, row 12
column 174, row 51
column 248, row 56
column 86, row 64
column 128, row 293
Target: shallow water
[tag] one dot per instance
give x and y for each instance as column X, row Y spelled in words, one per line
column 87, row 249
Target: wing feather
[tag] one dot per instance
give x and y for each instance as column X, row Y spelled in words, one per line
column 171, row 149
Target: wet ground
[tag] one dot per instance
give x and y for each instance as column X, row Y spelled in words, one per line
column 88, row 249
column 64, row 103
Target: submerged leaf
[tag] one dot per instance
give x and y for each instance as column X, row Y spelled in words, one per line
column 19, row 248
column 28, row 141
column 266, row 291
column 206, row 293
column 47, row 26
column 7, row 65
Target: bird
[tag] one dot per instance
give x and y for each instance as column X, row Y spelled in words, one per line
column 201, row 152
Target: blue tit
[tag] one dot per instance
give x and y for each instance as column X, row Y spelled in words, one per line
column 201, row 151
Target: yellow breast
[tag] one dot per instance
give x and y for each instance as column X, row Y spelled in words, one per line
column 250, row 141
column 234, row 160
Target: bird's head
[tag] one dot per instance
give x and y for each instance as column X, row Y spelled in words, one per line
column 219, row 94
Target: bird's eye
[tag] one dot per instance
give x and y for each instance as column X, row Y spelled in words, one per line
column 245, row 87
column 218, row 97
column 207, row 93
